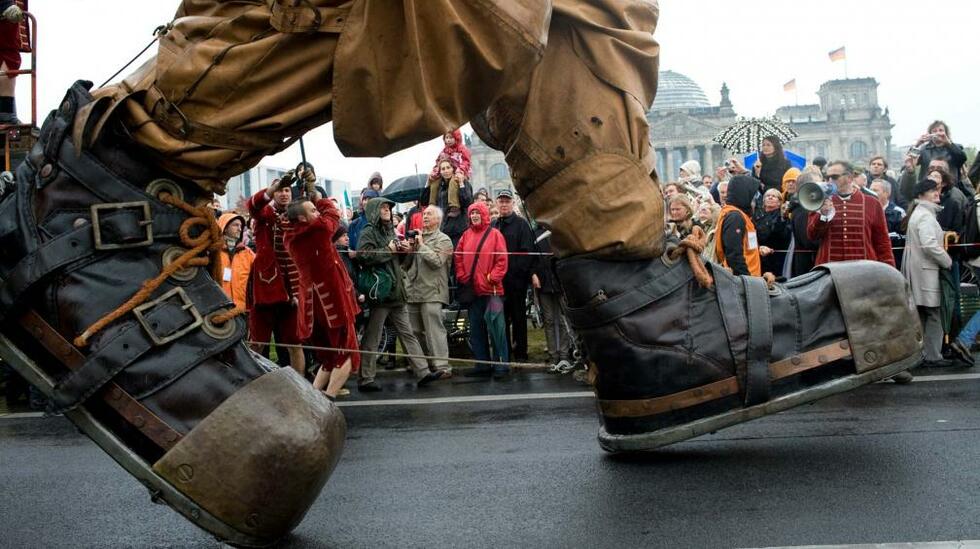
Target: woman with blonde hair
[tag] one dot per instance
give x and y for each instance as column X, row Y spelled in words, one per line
column 680, row 210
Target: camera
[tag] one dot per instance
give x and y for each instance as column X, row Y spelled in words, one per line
column 411, row 234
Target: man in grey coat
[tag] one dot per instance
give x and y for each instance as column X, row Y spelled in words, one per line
column 427, row 287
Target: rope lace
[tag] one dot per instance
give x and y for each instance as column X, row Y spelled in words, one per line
column 692, row 246
column 203, row 252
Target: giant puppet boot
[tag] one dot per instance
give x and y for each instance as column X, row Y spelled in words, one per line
column 677, row 348
column 109, row 306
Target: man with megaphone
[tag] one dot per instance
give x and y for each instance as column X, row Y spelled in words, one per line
column 849, row 224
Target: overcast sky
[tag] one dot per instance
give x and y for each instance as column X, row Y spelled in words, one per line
column 923, row 57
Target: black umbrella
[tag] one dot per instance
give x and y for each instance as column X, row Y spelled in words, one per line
column 406, row 189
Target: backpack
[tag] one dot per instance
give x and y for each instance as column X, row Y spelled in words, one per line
column 970, row 233
column 375, row 283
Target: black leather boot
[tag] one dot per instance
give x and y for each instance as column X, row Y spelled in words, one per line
column 673, row 360
column 161, row 381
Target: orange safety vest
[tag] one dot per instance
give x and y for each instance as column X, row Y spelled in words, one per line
column 750, row 243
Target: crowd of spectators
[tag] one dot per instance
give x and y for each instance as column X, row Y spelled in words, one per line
column 913, row 220
column 327, row 312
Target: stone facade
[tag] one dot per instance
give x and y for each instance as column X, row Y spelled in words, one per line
column 848, row 123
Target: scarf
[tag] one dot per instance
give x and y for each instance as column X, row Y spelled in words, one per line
column 453, row 194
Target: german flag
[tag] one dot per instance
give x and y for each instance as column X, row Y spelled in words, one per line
column 838, row 55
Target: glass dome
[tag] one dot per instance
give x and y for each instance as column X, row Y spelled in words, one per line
column 678, row 92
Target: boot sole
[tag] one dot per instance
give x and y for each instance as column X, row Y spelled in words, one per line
column 161, row 491
column 663, row 437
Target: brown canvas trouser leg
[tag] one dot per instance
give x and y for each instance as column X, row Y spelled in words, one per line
column 575, row 134
column 233, row 82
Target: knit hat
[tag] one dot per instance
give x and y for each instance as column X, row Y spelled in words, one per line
column 791, row 174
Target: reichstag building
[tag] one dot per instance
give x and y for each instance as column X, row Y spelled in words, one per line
column 847, row 123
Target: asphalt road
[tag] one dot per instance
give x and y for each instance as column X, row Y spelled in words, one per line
column 882, row 464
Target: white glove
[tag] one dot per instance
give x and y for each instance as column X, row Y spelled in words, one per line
column 13, row 14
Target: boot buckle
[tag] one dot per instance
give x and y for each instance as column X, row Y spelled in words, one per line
column 185, row 303
column 146, row 224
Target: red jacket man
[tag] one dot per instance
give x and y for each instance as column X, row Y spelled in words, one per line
column 280, row 303
column 309, row 240
column 850, row 225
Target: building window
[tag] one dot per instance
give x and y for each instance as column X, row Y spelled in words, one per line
column 499, row 171
column 859, row 150
column 247, row 184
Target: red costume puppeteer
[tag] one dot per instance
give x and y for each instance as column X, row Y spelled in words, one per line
column 858, row 230
column 320, row 268
column 275, row 280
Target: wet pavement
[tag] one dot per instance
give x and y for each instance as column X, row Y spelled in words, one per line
column 469, row 463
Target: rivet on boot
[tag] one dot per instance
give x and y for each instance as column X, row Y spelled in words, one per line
column 185, row 473
column 46, row 170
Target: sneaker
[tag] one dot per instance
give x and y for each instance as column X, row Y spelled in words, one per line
column 369, row 387
column 564, row 366
column 343, row 392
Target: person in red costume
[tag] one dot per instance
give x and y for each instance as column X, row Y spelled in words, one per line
column 457, row 153
column 11, row 16
column 309, row 240
column 280, row 303
column 851, row 225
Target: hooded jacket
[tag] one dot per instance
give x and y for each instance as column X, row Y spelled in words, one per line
column 236, row 263
column 738, row 245
column 373, row 251
column 491, row 262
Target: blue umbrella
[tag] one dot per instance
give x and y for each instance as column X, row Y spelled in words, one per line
column 795, row 160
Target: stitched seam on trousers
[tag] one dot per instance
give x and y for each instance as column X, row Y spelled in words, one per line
column 509, row 25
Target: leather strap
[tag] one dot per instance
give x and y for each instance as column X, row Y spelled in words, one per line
column 677, row 401
column 811, row 359
column 725, row 387
column 117, row 225
column 171, row 118
column 128, row 407
column 113, row 356
column 732, row 315
column 759, row 315
column 662, row 282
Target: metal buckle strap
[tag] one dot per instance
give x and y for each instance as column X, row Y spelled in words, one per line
column 146, row 224
column 128, row 407
column 759, row 314
column 145, row 311
column 158, row 322
column 81, row 243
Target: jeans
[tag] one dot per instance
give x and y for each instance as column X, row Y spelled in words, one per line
column 515, row 314
column 968, row 335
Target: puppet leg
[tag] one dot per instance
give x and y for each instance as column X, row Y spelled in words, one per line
column 677, row 348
